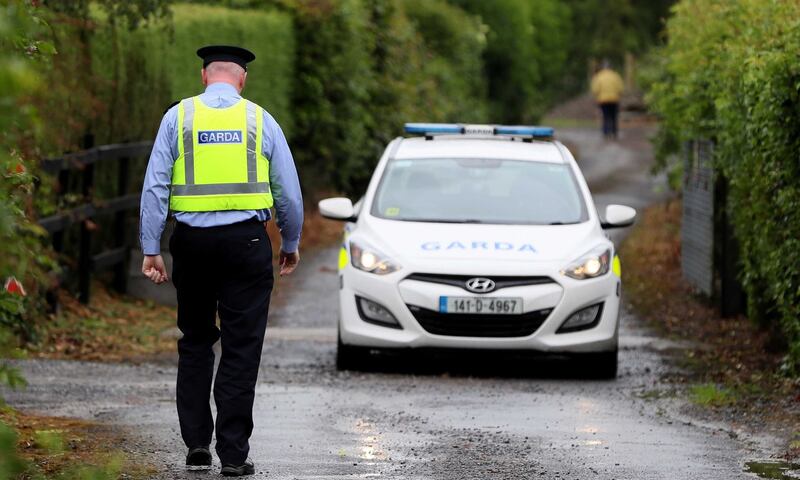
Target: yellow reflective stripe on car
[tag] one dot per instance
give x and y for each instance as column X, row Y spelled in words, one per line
column 616, row 267
column 343, row 260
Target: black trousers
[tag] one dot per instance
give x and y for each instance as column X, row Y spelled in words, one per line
column 224, row 270
column 610, row 115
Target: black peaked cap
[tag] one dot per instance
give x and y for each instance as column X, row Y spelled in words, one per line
column 225, row 53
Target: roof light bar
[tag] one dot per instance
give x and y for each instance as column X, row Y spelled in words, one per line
column 461, row 129
column 523, row 130
column 431, row 128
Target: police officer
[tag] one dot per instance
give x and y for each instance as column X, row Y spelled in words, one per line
column 220, row 162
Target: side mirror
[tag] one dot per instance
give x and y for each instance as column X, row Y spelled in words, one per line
column 618, row 216
column 337, row 208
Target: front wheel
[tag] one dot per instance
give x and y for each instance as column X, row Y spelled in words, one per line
column 601, row 365
column 350, row 357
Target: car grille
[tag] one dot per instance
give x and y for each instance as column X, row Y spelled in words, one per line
column 461, row 280
column 471, row 325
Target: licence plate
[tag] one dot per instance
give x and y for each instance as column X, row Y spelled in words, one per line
column 481, row 305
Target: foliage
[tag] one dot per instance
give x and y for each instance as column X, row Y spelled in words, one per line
column 85, row 91
column 11, row 465
column 332, row 90
column 133, row 12
column 130, row 75
column 452, row 42
column 737, row 81
column 524, row 56
column 24, row 54
column 710, row 395
column 732, row 361
column 21, row 248
column 268, row 33
column 111, row 328
column 364, row 67
column 428, row 51
column 608, row 29
column 42, row 448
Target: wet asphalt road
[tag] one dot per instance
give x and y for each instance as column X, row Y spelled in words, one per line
column 468, row 417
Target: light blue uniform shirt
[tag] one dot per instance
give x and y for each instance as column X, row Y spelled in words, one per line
column 284, row 184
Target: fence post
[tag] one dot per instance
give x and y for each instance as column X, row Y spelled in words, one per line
column 51, row 296
column 85, row 250
column 121, row 269
column 732, row 300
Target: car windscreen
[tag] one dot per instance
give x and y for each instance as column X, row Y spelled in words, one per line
column 478, row 190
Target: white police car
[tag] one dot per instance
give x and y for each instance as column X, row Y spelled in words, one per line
column 478, row 236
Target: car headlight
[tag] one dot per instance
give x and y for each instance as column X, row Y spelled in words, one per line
column 371, row 260
column 591, row 264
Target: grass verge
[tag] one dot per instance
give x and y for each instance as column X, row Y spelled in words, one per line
column 37, row 447
column 733, row 367
column 111, row 328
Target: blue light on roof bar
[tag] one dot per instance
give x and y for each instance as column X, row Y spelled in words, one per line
column 524, row 131
column 426, row 128
column 515, row 130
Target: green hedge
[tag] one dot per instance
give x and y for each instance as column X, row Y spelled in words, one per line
column 129, row 80
column 452, row 66
column 525, row 55
column 332, row 91
column 142, row 71
column 731, row 74
column 340, row 76
column 366, row 66
column 268, row 34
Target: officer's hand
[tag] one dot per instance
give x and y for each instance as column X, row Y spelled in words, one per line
column 288, row 262
column 154, row 269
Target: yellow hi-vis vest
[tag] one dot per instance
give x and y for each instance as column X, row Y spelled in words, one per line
column 220, row 165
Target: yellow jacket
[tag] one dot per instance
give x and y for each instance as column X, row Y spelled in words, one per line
column 607, row 86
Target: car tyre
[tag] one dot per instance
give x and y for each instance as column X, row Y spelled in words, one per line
column 350, row 357
column 601, row 365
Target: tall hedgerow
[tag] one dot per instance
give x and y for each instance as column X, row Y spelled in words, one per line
column 366, row 66
column 266, row 32
column 731, row 73
column 141, row 71
column 331, row 91
column 426, row 67
column 453, row 43
column 524, row 57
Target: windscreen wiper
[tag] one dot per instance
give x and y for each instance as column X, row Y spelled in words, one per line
column 439, row 220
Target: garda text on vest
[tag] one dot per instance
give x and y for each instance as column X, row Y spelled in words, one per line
column 219, row 136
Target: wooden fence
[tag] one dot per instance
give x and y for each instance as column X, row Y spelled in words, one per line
column 87, row 213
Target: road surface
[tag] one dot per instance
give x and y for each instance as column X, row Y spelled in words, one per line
column 454, row 418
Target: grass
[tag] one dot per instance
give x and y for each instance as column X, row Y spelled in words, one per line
column 65, row 448
column 710, row 395
column 111, row 328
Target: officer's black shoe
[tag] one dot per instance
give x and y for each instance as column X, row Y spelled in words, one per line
column 247, row 468
column 198, row 458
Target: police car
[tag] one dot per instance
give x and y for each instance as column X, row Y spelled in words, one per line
column 478, row 237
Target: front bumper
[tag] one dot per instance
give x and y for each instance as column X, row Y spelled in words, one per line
column 554, row 302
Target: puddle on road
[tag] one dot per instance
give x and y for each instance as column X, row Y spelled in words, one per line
column 774, row 469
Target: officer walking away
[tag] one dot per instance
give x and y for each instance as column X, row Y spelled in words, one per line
column 607, row 87
column 219, row 163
